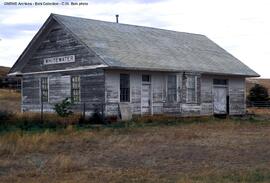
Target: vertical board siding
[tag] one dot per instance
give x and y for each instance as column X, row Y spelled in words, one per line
column 112, row 92
column 135, row 87
column 59, row 88
column 102, row 88
column 191, row 109
column 158, row 85
column 30, row 94
column 206, row 95
column 91, row 91
column 59, row 42
column 237, row 96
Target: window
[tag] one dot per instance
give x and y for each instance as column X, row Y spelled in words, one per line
column 220, row 82
column 75, row 89
column 171, row 88
column 146, row 78
column 191, row 89
column 124, row 88
column 44, row 89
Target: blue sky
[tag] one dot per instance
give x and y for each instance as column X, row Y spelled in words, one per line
column 241, row 27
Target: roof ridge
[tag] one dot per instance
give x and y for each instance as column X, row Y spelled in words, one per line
column 125, row 24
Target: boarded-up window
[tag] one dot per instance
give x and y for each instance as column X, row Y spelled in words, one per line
column 124, row 88
column 171, row 88
column 191, row 89
column 44, row 89
column 75, row 89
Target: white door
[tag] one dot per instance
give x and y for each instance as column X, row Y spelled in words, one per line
column 220, row 100
column 146, row 95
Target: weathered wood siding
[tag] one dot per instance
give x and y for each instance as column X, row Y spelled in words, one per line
column 30, row 94
column 158, row 92
column 100, row 87
column 194, row 108
column 160, row 104
column 91, row 90
column 207, row 95
column 235, row 90
column 55, row 42
column 237, row 96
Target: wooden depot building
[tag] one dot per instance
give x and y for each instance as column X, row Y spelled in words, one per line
column 142, row 70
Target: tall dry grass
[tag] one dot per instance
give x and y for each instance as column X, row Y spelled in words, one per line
column 10, row 100
column 14, row 143
column 195, row 152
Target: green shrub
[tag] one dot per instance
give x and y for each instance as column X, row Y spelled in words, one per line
column 258, row 93
column 63, row 108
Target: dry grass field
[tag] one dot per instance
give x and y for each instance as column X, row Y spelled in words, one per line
column 4, row 71
column 228, row 150
column 10, row 100
column 206, row 151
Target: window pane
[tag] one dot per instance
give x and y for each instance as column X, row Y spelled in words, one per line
column 124, row 88
column 191, row 82
column 191, row 89
column 44, row 89
column 171, row 88
column 75, row 88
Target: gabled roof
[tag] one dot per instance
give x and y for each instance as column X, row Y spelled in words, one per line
column 144, row 48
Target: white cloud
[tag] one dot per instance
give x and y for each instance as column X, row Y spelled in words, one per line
column 241, row 27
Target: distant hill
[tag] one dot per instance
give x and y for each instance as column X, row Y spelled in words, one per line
column 4, row 71
column 8, row 82
column 251, row 82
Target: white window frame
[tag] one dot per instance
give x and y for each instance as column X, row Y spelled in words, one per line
column 195, row 89
column 176, row 87
column 71, row 89
column 41, row 90
column 129, row 75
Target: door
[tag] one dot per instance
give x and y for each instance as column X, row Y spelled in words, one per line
column 220, row 100
column 146, row 95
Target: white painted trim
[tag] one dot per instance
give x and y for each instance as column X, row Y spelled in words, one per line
column 151, row 95
column 141, row 93
column 80, row 94
column 22, row 94
column 105, row 94
column 63, row 70
column 40, row 93
column 166, row 88
column 48, row 88
column 40, row 90
column 195, row 89
column 172, row 74
column 220, row 86
column 177, row 87
column 150, row 83
column 119, row 92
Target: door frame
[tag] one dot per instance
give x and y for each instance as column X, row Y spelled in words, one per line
column 227, row 95
column 150, row 92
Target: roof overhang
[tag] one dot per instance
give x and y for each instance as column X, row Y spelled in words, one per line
column 178, row 70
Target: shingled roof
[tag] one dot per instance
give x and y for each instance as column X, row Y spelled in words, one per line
column 145, row 48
